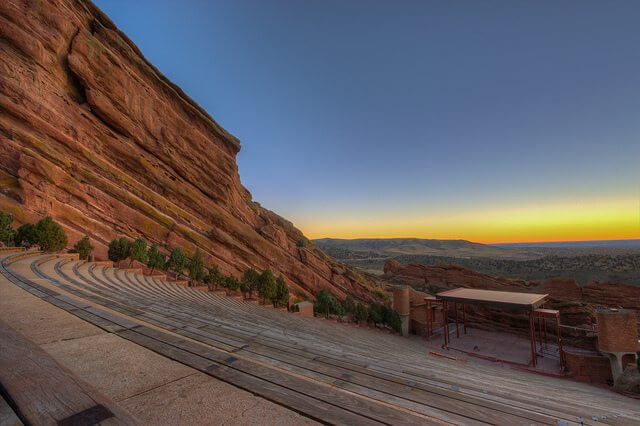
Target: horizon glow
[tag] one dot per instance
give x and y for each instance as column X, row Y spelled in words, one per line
column 491, row 122
column 610, row 220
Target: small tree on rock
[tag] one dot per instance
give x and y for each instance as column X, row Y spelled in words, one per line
column 26, row 235
column 50, row 235
column 6, row 229
column 267, row 286
column 361, row 314
column 349, row 305
column 83, row 247
column 138, row 251
column 155, row 259
column 281, row 296
column 213, row 278
column 231, row 283
column 119, row 249
column 326, row 304
column 196, row 266
column 250, row 281
column 177, row 261
column 376, row 313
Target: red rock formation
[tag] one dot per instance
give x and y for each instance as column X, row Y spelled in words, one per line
column 577, row 304
column 93, row 135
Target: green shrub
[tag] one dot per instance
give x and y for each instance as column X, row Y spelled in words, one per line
column 394, row 321
column 49, row 235
column 376, row 313
column 302, row 242
column 362, row 313
column 6, row 229
column 196, row 266
column 250, row 281
column 232, row 283
column 25, row 236
column 119, row 249
column 267, row 285
column 281, row 296
column 83, row 247
column 138, row 251
column 214, row 278
column 349, row 305
column 295, row 308
column 326, row 304
column 155, row 259
column 177, row 261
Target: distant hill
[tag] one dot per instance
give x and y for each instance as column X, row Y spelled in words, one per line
column 614, row 261
column 389, row 247
column 570, row 244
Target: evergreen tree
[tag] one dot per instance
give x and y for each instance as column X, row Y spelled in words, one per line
column 376, row 313
column 213, row 278
column 50, row 235
column 83, row 247
column 196, row 266
column 326, row 304
column 361, row 314
column 25, row 236
column 281, row 296
column 6, row 229
column 394, row 321
column 349, row 305
column 231, row 283
column 155, row 259
column 177, row 261
column 138, row 251
column 119, row 249
column 250, row 281
column 267, row 285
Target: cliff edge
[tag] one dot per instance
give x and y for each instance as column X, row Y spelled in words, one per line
column 94, row 135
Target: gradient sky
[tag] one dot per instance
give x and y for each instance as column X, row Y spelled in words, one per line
column 492, row 121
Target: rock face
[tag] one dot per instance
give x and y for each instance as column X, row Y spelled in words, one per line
column 93, row 135
column 577, row 304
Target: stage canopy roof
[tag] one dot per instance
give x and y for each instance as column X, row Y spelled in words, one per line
column 498, row 299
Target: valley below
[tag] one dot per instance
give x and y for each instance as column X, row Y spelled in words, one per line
column 585, row 264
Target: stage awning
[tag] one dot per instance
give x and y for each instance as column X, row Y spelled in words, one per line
column 506, row 300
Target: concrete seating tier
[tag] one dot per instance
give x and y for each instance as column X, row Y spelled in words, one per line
column 335, row 373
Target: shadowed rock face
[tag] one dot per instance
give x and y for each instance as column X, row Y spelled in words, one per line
column 577, row 304
column 93, row 135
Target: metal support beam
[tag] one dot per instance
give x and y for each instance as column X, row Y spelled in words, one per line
column 532, row 335
column 464, row 317
column 455, row 306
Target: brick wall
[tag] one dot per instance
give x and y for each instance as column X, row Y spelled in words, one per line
column 589, row 367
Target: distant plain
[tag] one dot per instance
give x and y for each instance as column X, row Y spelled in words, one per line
column 585, row 261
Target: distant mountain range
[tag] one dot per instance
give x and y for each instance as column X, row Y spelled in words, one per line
column 569, row 244
column 389, row 247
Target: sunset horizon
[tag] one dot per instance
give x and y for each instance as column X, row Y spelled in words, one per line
column 454, row 122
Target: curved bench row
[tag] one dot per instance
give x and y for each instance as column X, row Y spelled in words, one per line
column 334, row 373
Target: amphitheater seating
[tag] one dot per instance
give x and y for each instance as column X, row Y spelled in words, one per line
column 335, row 373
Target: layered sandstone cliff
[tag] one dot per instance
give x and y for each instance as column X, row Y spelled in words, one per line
column 93, row 135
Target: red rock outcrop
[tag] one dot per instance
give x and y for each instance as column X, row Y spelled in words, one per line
column 577, row 304
column 93, row 135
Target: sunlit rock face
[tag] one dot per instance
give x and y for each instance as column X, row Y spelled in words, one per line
column 93, row 135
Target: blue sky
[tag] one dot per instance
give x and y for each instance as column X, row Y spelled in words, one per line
column 358, row 115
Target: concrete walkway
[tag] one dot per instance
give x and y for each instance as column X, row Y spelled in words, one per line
column 154, row 389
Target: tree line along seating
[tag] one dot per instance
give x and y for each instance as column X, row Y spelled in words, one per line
column 331, row 372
